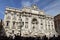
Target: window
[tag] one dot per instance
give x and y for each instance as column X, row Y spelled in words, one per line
column 13, row 31
column 20, row 19
column 26, row 34
column 26, row 26
column 7, row 23
column 46, row 25
column 26, row 19
column 46, row 28
column 33, row 27
column 52, row 25
column 26, row 22
column 49, row 25
column 41, row 23
column 21, row 24
column 19, row 16
column 13, row 23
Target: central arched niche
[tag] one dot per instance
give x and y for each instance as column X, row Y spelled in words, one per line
column 34, row 21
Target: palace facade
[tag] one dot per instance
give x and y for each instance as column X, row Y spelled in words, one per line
column 28, row 22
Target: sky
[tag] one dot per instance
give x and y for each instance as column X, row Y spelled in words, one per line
column 51, row 7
